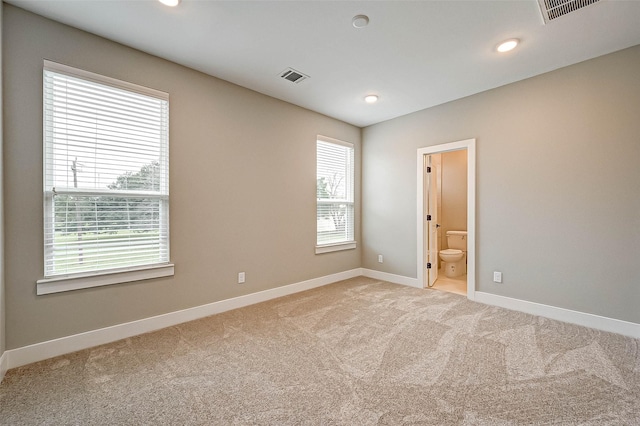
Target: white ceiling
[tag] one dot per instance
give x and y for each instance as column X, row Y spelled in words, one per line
column 413, row 54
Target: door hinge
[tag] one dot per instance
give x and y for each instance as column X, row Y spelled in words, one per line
column 429, row 265
column 428, row 169
column 428, row 217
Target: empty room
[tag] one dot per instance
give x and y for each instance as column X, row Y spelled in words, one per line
column 320, row 212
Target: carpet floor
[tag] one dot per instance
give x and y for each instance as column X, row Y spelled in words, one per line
column 358, row 352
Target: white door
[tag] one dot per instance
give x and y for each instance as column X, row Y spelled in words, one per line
column 432, row 225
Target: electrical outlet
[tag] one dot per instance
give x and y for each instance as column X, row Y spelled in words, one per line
column 380, row 258
column 240, row 277
column 497, row 277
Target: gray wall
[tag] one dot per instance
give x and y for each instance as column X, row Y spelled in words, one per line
column 2, row 304
column 558, row 172
column 454, row 193
column 242, row 170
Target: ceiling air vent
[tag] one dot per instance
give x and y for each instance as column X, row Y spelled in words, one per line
column 293, row 75
column 552, row 9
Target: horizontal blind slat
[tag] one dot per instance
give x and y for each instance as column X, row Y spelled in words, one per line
column 335, row 175
column 105, row 148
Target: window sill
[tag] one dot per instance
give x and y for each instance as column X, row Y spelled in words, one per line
column 77, row 282
column 328, row 248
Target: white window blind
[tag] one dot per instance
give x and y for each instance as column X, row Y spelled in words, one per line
column 335, row 189
column 106, row 174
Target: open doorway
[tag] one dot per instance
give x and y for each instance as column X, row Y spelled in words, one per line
column 458, row 275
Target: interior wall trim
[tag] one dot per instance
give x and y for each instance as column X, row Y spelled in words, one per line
column 597, row 322
column 470, row 146
column 392, row 278
column 40, row 351
column 3, row 365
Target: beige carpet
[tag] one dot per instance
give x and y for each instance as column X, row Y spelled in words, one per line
column 359, row 352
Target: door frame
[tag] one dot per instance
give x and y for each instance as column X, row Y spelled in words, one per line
column 432, row 181
column 470, row 146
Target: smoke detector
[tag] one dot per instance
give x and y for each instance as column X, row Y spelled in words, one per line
column 553, row 9
column 293, row 75
column 360, row 21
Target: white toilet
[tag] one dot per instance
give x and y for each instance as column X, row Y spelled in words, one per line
column 455, row 257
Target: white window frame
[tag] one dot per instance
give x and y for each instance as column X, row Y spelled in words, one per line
column 347, row 244
column 73, row 281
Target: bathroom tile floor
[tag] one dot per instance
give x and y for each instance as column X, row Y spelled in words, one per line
column 456, row 285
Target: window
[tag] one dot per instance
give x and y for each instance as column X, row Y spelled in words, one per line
column 335, row 189
column 106, row 176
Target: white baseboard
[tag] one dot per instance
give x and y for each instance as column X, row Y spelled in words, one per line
column 392, row 278
column 3, row 365
column 574, row 317
column 64, row 345
column 49, row 349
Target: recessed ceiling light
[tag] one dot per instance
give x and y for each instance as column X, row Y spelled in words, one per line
column 360, row 21
column 370, row 99
column 171, row 3
column 507, row 45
